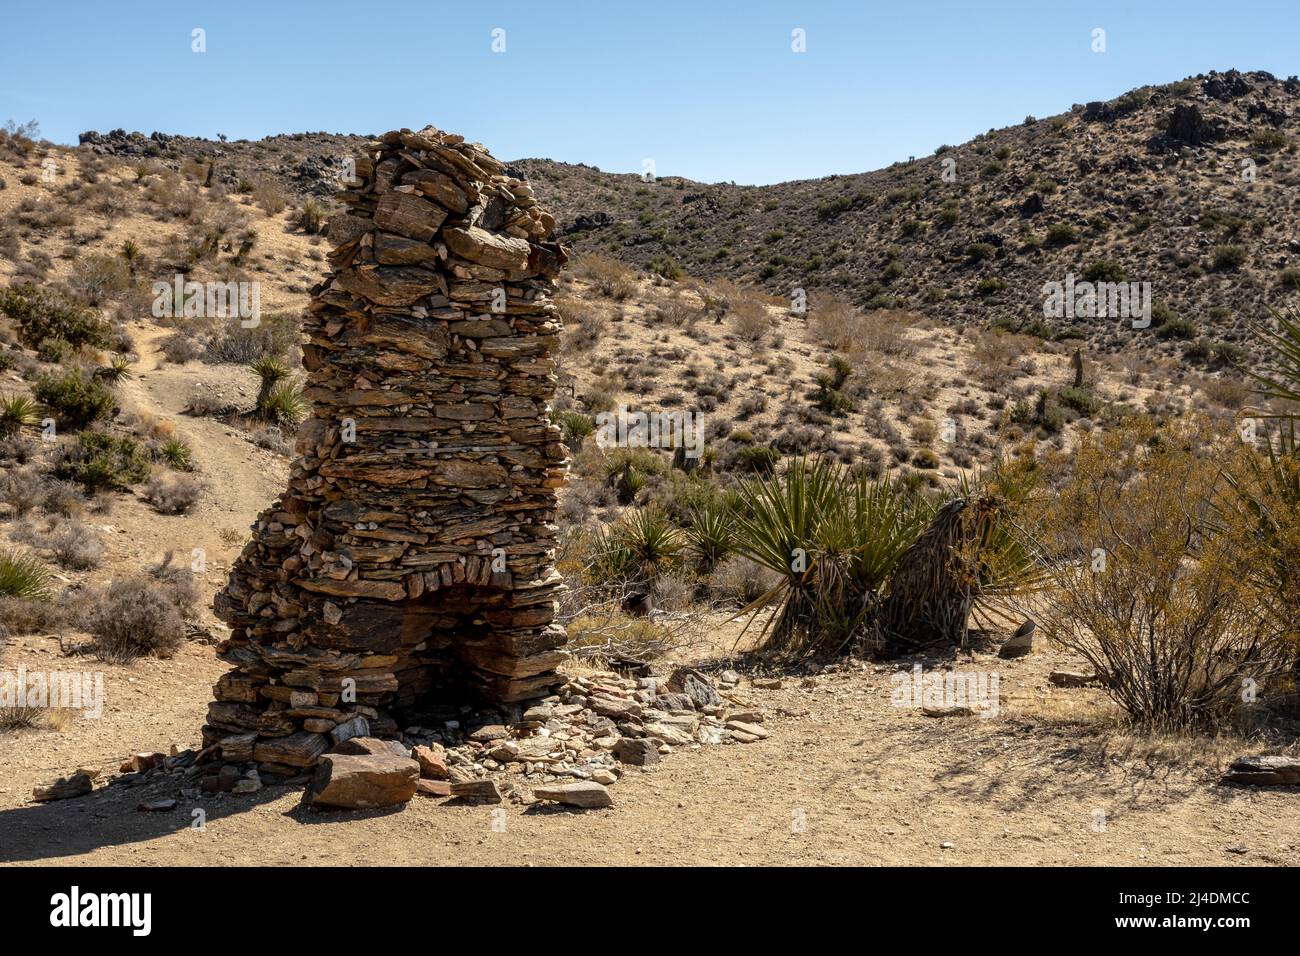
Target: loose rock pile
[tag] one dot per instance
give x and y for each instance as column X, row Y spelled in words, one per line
column 409, row 563
column 568, row 748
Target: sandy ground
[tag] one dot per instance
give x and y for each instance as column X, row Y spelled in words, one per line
column 844, row 779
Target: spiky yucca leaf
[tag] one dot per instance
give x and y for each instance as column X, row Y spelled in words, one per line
column 17, row 411
column 711, row 534
column 23, row 576
column 1282, row 379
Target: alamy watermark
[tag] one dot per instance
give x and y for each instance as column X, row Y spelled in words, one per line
column 212, row 300
column 919, row 689
column 624, row 429
column 55, row 690
column 1098, row 300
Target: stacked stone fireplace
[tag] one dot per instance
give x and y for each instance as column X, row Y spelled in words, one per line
column 408, row 565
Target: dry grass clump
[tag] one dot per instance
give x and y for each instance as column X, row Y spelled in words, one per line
column 996, row 357
column 72, row 545
column 173, row 494
column 613, row 279
column 140, row 615
column 584, row 323
column 750, row 315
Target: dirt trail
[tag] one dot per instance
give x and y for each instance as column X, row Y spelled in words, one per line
column 241, row 478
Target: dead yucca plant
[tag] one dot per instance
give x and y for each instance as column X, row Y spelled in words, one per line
column 971, row 560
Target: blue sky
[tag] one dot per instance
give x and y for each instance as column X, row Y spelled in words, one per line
column 708, row 90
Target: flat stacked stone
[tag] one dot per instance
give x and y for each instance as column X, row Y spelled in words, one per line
column 411, row 556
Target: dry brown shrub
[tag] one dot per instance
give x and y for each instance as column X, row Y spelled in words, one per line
column 612, row 278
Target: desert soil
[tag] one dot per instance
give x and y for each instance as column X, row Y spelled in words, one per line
column 844, row 778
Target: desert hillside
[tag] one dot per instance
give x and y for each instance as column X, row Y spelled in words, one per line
column 1190, row 186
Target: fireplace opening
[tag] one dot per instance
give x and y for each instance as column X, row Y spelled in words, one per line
column 442, row 671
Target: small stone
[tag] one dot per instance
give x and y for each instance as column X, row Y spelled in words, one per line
column 77, row 785
column 360, row 746
column 1071, row 678
column 247, row 785
column 753, row 730
column 489, row 732
column 433, row 788
column 1264, row 770
column 485, row 790
column 433, row 763
column 767, row 683
column 358, row 726
column 586, row 794
column 156, row 806
column 947, row 712
column 363, row 782
column 637, row 751
column 607, row 777
column 1020, row 643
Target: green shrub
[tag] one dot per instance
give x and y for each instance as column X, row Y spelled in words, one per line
column 1228, row 257
column 1176, row 328
column 77, row 398
column 980, row 251
column 1061, row 234
column 101, row 461
column 1078, row 399
column 43, row 315
column 759, row 458
column 1104, row 270
column 1268, row 140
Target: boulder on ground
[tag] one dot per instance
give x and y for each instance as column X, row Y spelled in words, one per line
column 586, row 794
column 1264, row 771
column 363, row 781
column 77, row 785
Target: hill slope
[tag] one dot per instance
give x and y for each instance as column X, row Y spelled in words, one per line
column 1191, row 187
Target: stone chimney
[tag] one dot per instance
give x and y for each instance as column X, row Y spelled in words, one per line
column 408, row 565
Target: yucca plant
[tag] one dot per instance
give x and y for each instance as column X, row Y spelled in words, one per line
column 1282, row 379
column 712, row 535
column 834, row 538
column 17, row 411
column 575, row 427
column 272, row 372
column 177, row 454
column 131, row 253
column 636, row 549
column 1266, row 498
column 285, row 405
column 651, row 540
column 117, row 371
column 23, row 576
